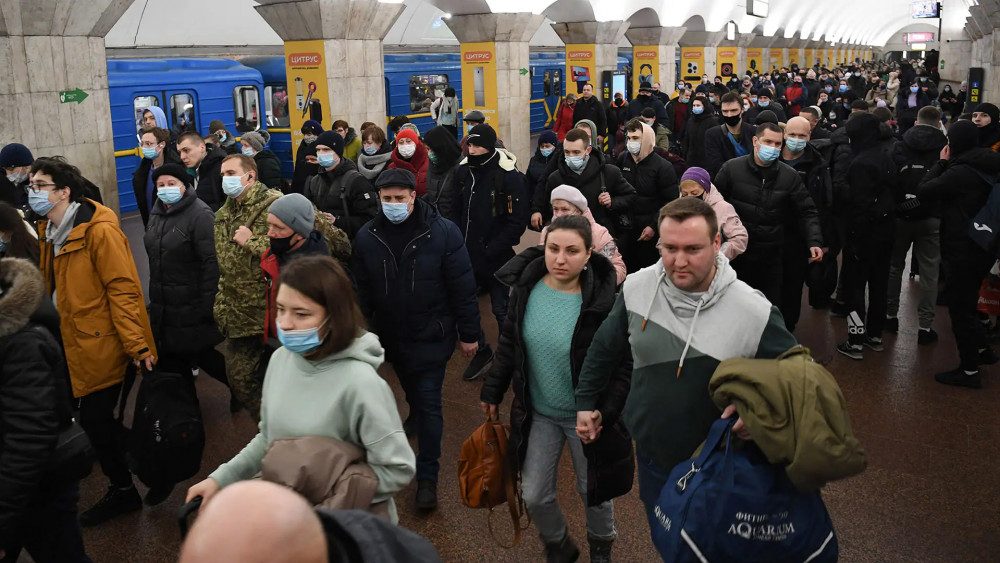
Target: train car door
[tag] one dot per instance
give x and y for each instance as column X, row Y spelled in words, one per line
column 182, row 111
column 139, row 104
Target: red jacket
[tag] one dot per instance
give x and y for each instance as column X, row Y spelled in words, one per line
column 564, row 120
column 417, row 165
column 794, row 94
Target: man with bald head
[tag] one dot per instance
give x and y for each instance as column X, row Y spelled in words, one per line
column 812, row 168
column 257, row 521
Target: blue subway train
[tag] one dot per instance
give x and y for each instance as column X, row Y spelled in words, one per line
column 249, row 94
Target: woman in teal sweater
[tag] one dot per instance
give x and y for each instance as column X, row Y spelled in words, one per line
column 560, row 296
column 322, row 382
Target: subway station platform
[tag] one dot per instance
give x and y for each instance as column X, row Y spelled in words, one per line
column 930, row 493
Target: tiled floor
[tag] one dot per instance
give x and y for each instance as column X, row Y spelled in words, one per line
column 930, row 494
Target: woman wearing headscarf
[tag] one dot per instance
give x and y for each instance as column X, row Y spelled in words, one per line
column 443, row 154
column 305, row 156
column 987, row 119
column 702, row 119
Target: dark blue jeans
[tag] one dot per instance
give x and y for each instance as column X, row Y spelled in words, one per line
column 499, row 300
column 652, row 478
column 423, row 394
column 48, row 529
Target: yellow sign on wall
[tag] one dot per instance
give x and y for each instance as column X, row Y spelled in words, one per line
column 581, row 67
column 808, row 60
column 776, row 58
column 305, row 69
column 725, row 62
column 479, row 80
column 793, row 57
column 693, row 64
column 755, row 60
column 646, row 61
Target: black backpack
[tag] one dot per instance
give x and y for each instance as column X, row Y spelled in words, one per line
column 165, row 437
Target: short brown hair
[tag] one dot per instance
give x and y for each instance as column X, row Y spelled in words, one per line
column 684, row 208
column 374, row 134
column 193, row 136
column 634, row 124
column 768, row 126
column 366, row 125
column 161, row 134
column 341, row 124
column 577, row 134
column 246, row 162
column 731, row 98
column 323, row 280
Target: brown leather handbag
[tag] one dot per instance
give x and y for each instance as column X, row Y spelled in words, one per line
column 486, row 477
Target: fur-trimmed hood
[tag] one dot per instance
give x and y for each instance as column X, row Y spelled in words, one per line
column 22, row 293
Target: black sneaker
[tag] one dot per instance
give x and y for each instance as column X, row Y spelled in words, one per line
column 840, row 309
column 427, row 494
column 959, row 378
column 410, row 426
column 600, row 550
column 874, row 342
column 987, row 357
column 892, row 325
column 564, row 551
column 852, row 351
column 479, row 363
column 115, row 503
column 925, row 337
column 156, row 495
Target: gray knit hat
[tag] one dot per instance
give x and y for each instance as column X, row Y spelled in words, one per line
column 295, row 211
column 256, row 139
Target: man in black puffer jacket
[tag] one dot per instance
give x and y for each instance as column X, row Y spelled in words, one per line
column 767, row 196
column 919, row 225
column 655, row 183
column 959, row 182
column 339, row 190
column 37, row 507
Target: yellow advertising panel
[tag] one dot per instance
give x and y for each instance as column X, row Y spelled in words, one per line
column 827, row 57
column 794, row 58
column 581, row 67
column 776, row 58
column 479, row 70
column 305, row 68
column 692, row 64
column 808, row 60
column 755, row 59
column 646, row 61
column 725, row 62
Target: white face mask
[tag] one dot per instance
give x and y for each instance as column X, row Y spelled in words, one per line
column 634, row 147
column 406, row 151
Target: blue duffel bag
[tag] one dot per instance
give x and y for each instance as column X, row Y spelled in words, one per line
column 731, row 505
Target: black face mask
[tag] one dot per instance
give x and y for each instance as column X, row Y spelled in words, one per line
column 481, row 159
column 732, row 120
column 281, row 246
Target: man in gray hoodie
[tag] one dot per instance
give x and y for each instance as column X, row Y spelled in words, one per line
column 679, row 319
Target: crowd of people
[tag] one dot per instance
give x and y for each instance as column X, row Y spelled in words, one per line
column 677, row 231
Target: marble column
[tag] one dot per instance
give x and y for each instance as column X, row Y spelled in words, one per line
column 710, row 40
column 605, row 36
column 664, row 39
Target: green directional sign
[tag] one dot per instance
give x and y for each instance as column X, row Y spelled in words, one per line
column 77, row 95
column 524, row 71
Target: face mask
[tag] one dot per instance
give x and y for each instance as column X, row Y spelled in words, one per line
column 881, row 86
column 746, row 107
column 732, row 120
column 546, row 152
column 842, row 88
column 150, row 153
column 768, row 154
column 169, row 194
column 828, row 89
column 16, row 177
column 796, row 145
column 370, row 150
column 914, row 89
column 396, row 212
column 309, row 140
column 685, row 100
column 223, row 137
column 432, row 157
column 39, row 202
column 576, row 163
column 633, row 147
column 325, row 160
column 300, row 341
column 697, row 110
column 3, row 245
column 847, row 105
column 764, row 103
column 233, row 185
column 946, row 89
column 407, row 151
column 281, row 245
column 248, row 152
column 711, row 100
column 923, row 79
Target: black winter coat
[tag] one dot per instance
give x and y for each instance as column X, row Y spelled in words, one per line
column 871, row 178
column 609, row 459
column 719, row 149
column 415, row 301
column 655, row 183
column 34, row 393
column 593, row 110
column 914, row 154
column 303, row 169
column 441, row 188
column 815, row 174
column 640, row 103
column 693, row 142
column 596, row 176
column 751, row 114
column 353, row 205
column 183, row 276
column 141, row 176
column 766, row 199
column 535, row 174
column 957, row 187
column 209, row 178
column 268, row 168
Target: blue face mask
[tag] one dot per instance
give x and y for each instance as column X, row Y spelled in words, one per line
column 847, row 105
column 223, row 137
column 768, row 154
column 828, row 89
column 150, row 153
column 753, row 99
column 370, row 150
column 396, row 212
column 796, row 145
column 546, row 152
column 576, row 163
column 763, row 103
column 39, row 202
column 914, row 89
column 248, row 152
column 3, row 245
column 300, row 341
column 325, row 160
column 169, row 195
column 697, row 110
column 842, row 88
column 233, row 185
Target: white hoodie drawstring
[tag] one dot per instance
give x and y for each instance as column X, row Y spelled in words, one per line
column 687, row 344
column 652, row 299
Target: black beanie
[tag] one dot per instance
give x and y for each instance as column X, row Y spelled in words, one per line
column 332, row 140
column 483, row 135
column 175, row 170
column 963, row 136
column 766, row 116
column 990, row 110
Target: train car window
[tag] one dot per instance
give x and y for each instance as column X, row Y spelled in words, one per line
column 182, row 113
column 557, row 82
column 424, row 88
column 276, row 106
column 547, row 84
column 139, row 105
column 245, row 107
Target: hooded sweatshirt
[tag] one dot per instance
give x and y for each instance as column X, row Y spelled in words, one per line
column 593, row 137
column 734, row 234
column 161, row 119
column 676, row 340
column 339, row 397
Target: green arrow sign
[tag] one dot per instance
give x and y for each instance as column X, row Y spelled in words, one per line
column 76, row 95
column 524, row 71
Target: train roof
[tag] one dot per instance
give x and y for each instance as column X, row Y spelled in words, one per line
column 140, row 72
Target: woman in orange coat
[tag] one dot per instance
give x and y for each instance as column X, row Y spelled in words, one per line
column 564, row 116
column 86, row 261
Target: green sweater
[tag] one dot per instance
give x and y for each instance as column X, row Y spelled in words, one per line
column 549, row 322
column 340, row 397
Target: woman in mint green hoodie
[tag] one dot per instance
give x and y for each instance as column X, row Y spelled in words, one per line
column 322, row 382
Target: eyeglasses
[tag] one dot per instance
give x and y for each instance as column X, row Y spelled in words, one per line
column 149, row 145
column 39, row 187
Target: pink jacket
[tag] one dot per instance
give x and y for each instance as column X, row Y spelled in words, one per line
column 605, row 244
column 733, row 231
